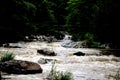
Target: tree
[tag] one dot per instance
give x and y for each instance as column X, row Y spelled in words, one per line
column 107, row 22
column 97, row 17
column 23, row 17
column 81, row 17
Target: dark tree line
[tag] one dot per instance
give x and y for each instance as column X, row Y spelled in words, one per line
column 23, row 17
column 95, row 20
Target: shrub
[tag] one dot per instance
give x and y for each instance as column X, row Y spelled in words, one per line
column 66, row 76
column 7, row 56
column 59, row 75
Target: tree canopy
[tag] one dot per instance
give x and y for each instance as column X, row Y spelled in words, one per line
column 96, row 19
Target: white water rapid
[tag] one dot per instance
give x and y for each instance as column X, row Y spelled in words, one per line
column 92, row 66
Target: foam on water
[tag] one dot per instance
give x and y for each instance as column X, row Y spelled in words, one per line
column 89, row 67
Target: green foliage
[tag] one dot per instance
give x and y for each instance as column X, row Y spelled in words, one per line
column 57, row 75
column 57, row 9
column 88, row 40
column 66, row 76
column 89, row 36
column 95, row 16
column 25, row 17
column 107, row 22
column 7, row 56
column 81, row 12
column 81, row 19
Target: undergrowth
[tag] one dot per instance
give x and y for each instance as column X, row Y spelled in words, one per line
column 7, row 56
column 59, row 75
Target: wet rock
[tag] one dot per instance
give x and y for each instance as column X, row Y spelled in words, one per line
column 13, row 45
column 20, row 67
column 44, row 61
column 115, row 52
column 46, row 52
column 79, row 53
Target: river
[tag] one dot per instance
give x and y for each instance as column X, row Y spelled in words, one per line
column 92, row 66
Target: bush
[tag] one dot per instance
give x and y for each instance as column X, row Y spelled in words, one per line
column 59, row 75
column 7, row 56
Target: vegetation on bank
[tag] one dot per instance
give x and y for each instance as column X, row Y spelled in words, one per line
column 89, row 20
column 7, row 56
column 58, row 75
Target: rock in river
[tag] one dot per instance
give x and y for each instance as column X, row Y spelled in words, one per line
column 46, row 52
column 20, row 67
column 79, row 53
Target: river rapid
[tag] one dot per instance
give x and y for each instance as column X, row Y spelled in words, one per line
column 92, row 66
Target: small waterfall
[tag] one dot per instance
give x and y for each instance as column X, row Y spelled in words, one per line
column 68, row 43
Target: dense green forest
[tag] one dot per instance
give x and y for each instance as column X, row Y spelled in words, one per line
column 91, row 20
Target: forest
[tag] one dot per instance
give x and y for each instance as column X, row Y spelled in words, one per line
column 90, row 20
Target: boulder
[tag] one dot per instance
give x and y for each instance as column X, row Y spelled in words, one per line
column 20, row 67
column 79, row 53
column 115, row 52
column 46, row 52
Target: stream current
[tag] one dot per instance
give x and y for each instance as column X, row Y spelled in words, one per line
column 92, row 66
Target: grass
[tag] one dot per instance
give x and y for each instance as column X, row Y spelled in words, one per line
column 7, row 56
column 59, row 75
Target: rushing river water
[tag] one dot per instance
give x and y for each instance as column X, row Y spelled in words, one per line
column 92, row 66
